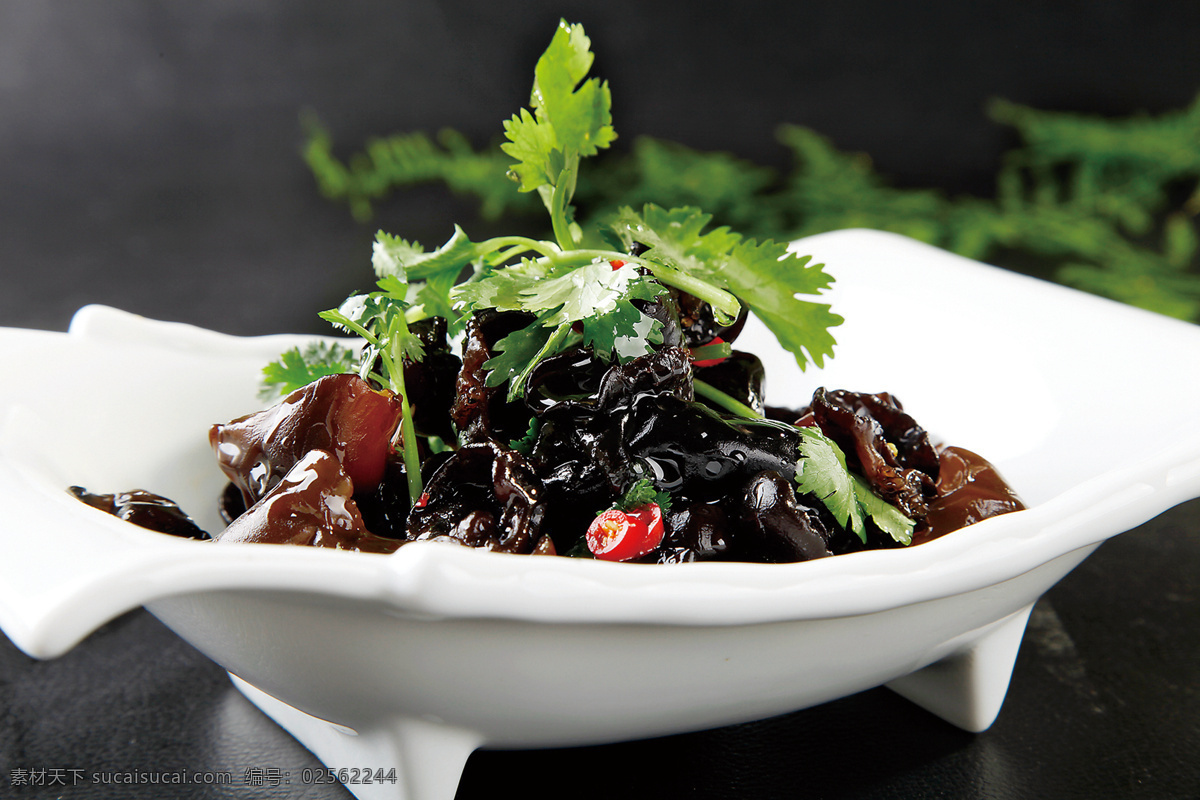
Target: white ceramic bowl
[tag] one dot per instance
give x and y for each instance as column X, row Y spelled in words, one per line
column 415, row 659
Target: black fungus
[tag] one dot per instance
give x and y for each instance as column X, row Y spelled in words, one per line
column 431, row 382
column 481, row 412
column 320, row 468
column 741, row 376
column 574, row 374
column 231, row 504
column 699, row 322
column 483, row 495
column 884, row 444
column 311, row 505
column 641, row 424
column 144, row 509
column 340, row 414
column 775, row 527
column 695, row 532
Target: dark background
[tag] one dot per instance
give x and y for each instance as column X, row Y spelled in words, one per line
column 149, row 160
column 149, row 152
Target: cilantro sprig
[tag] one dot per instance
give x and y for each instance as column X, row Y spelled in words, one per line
column 641, row 493
column 764, row 275
column 379, row 317
column 586, row 295
column 300, row 366
column 571, row 118
column 822, row 472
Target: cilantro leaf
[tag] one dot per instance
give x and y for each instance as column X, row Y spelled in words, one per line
column 822, row 472
column 768, row 278
column 643, row 493
column 889, row 518
column 675, row 236
column 595, row 295
column 407, row 159
column 764, row 275
column 514, row 352
column 427, row 278
column 354, row 315
column 379, row 318
column 501, row 289
column 393, row 320
column 571, row 116
column 625, row 331
column 580, row 113
column 432, row 299
column 392, row 255
column 298, row 367
column 524, row 445
column 588, row 291
column 531, row 143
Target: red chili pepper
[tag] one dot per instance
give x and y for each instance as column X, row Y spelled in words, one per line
column 617, row 535
column 710, row 362
column 616, row 264
column 423, row 500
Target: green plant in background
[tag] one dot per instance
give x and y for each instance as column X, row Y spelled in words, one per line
column 1105, row 205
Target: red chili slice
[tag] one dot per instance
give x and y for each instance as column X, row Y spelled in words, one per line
column 616, row 263
column 617, row 535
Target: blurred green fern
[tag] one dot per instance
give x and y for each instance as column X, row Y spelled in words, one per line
column 1105, row 205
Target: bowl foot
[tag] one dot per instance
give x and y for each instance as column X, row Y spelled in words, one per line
column 405, row 758
column 967, row 687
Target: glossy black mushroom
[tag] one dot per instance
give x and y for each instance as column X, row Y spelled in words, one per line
column 695, row 532
column 483, row 495
column 574, row 374
column 641, row 424
column 775, row 527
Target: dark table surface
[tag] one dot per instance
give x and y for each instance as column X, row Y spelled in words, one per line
column 148, row 160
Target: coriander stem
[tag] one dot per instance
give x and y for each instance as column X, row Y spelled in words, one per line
column 520, row 244
column 577, row 258
column 722, row 301
column 718, row 298
column 408, row 432
column 563, row 188
column 338, row 318
column 711, row 351
column 730, row 404
column 504, row 256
